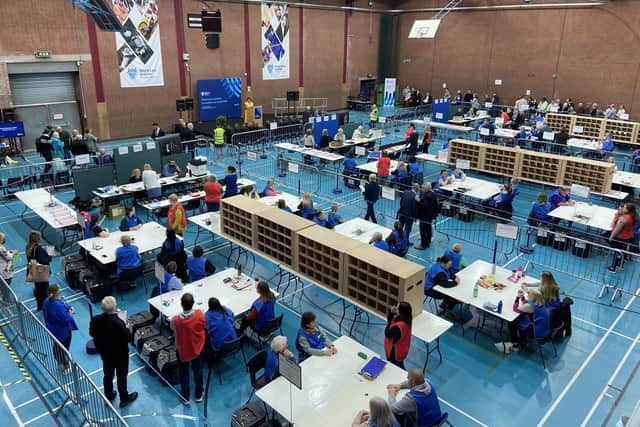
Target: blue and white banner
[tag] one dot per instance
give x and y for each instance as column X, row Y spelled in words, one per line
column 221, row 97
column 274, row 36
column 389, row 92
column 138, row 43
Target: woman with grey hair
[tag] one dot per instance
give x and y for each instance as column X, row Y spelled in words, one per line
column 278, row 346
column 379, row 415
column 127, row 256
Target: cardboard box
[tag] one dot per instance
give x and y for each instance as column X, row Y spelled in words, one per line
column 115, row 211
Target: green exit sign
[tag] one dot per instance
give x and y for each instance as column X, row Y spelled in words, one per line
column 40, row 54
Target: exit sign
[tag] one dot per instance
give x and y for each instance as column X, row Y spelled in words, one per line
column 42, row 54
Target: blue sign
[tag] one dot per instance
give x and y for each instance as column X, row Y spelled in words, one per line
column 440, row 111
column 11, row 130
column 220, row 97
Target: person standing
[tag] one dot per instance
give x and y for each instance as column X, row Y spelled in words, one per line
column 218, row 141
column 212, row 193
column 384, row 167
column 35, row 251
column 151, row 182
column 408, row 210
column 189, row 331
column 57, row 146
column 65, row 137
column 397, row 334
column 428, row 209
column 176, row 215
column 111, row 337
column 622, row 233
column 373, row 116
column 371, row 195
column 157, row 132
column 6, row 260
column 249, row 112
column 58, row 319
column 43, row 145
column 92, row 141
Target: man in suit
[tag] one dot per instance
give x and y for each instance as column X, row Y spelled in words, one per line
column 428, row 209
column 111, row 337
column 371, row 195
column 408, row 211
column 157, row 131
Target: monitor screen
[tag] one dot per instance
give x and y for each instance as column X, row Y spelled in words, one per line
column 169, row 144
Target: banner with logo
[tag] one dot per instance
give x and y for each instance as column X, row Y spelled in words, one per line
column 274, row 34
column 219, row 97
column 389, row 92
column 138, row 43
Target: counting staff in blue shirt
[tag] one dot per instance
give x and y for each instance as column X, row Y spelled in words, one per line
column 607, row 145
column 458, row 174
column 198, row 265
column 541, row 208
column 230, row 182
column 413, row 166
column 350, row 163
column 375, row 154
column 282, row 204
column 220, row 324
column 378, row 242
column 311, row 340
column 306, row 206
column 93, row 229
column 320, row 219
column 127, row 255
column 130, row 221
column 333, row 217
column 271, row 368
column 171, row 281
column 262, row 309
column 170, row 169
column 486, row 124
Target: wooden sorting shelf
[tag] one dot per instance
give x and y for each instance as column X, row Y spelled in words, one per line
column 540, row 167
column 237, row 218
column 592, row 127
column 378, row 280
column 321, row 256
column 558, row 121
column 276, row 234
column 624, row 132
column 461, row 149
column 591, row 173
column 501, row 160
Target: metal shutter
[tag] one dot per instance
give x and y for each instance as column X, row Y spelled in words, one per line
column 45, row 88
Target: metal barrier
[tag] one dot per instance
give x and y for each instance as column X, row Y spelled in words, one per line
column 250, row 140
column 56, row 360
column 281, row 107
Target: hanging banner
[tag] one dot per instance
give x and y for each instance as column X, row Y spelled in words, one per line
column 138, row 43
column 274, row 34
column 389, row 92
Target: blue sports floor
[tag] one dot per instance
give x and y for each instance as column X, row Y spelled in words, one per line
column 592, row 382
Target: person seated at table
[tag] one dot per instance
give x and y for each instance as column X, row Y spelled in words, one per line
column 212, row 193
column 445, row 145
column 320, row 219
column 311, row 340
column 130, row 221
column 350, row 164
column 561, row 197
column 306, row 206
column 458, row 174
column 127, row 256
column 220, row 324
column 420, row 406
column 171, row 281
column 333, row 217
column 230, row 182
column 522, row 134
column 378, row 415
column 440, row 274
column 540, row 210
column 173, row 250
column 262, row 310
column 251, row 193
column 398, row 240
column 325, row 140
column 548, row 288
column 445, row 178
column 378, row 242
column 374, row 154
column 198, row 265
column 282, row 204
column 413, row 167
column 358, row 133
column 270, row 189
column 171, row 169
column 93, row 229
column 400, row 174
column 104, row 158
column 515, row 187
column 136, row 176
column 397, row 333
column 176, row 215
column 606, row 146
column 532, row 314
column 339, row 138
column 486, row 124
column 458, row 262
column 502, row 200
column 151, row 182
column 279, row 346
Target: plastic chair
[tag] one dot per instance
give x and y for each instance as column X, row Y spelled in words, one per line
column 129, row 277
column 228, row 349
column 541, row 341
column 444, row 420
column 270, row 327
column 255, row 365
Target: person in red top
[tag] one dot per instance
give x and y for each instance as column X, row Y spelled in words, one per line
column 621, row 235
column 397, row 334
column 212, row 193
column 189, row 331
column 384, row 165
column 176, row 215
column 426, row 140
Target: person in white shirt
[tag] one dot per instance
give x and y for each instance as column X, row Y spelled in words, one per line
column 151, row 181
column 621, row 114
column 358, row 133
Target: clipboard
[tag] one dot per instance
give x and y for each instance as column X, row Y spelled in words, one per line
column 373, row 368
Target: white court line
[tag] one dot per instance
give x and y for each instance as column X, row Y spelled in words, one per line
column 582, row 367
column 595, row 325
column 70, row 402
column 613, row 377
column 12, row 408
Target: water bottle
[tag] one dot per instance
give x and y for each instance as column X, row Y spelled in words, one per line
column 239, row 267
column 520, row 273
column 475, row 290
column 499, row 307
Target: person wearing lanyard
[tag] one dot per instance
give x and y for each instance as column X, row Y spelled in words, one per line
column 311, row 340
column 130, row 221
column 440, row 274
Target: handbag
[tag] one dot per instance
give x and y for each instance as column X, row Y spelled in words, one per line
column 38, row 273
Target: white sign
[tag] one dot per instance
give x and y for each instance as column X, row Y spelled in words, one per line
column 498, row 82
column 488, row 105
column 293, row 167
column 389, row 92
column 151, row 145
column 388, row 193
column 624, row 116
column 82, row 159
column 578, row 129
column 326, row 118
column 580, row 191
column 499, row 121
column 274, row 29
column 444, row 85
column 424, row 28
column 463, row 164
column 360, row 151
column 137, row 148
column 290, row 370
column 273, row 125
column 554, row 108
column 334, row 117
column 123, row 150
column 548, row 136
column 484, row 131
column 528, row 92
column 382, row 119
column 507, row 231
column 58, row 116
column 439, row 116
column 251, row 155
